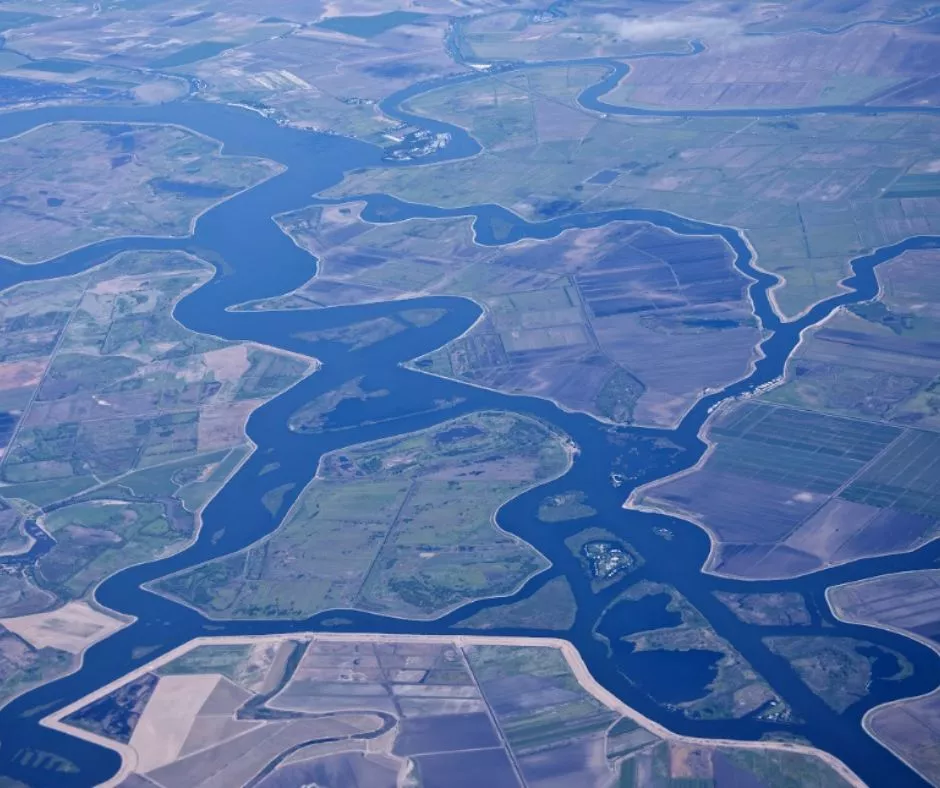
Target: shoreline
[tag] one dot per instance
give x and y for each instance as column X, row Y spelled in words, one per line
column 573, row 658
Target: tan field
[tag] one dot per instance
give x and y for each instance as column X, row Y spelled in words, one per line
column 71, row 628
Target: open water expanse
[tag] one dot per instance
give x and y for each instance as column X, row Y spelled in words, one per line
column 260, row 261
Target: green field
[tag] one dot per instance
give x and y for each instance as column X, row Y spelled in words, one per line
column 88, row 357
column 835, row 668
column 111, row 180
column 784, row 608
column 95, row 539
column 553, row 607
column 875, row 360
column 409, row 522
column 565, row 506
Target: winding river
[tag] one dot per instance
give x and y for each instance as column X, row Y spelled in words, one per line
column 261, row 261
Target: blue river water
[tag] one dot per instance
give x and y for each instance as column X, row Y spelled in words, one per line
column 254, row 259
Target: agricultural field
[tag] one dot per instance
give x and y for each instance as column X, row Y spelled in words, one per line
column 332, row 75
column 743, row 51
column 45, row 67
column 125, row 424
column 313, row 65
column 839, row 670
column 72, row 184
column 841, row 460
column 309, row 64
column 41, row 646
column 166, row 35
column 906, row 601
column 828, row 16
column 650, row 624
column 410, row 522
column 810, row 192
column 106, row 384
column 876, row 360
column 96, row 538
column 909, row 602
column 627, row 322
column 876, row 64
column 328, row 709
column 139, row 53
column 71, row 628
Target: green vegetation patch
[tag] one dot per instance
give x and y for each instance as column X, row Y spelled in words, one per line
column 553, row 606
column 837, row 669
column 111, row 181
column 878, row 359
column 314, row 416
column 22, row 666
column 565, row 506
column 778, row 768
column 783, row 608
column 226, row 659
column 618, row 396
column 605, row 557
column 409, row 521
column 97, row 538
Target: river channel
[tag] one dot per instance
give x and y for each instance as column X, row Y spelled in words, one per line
column 254, row 259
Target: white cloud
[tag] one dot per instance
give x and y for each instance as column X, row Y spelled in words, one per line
column 653, row 29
